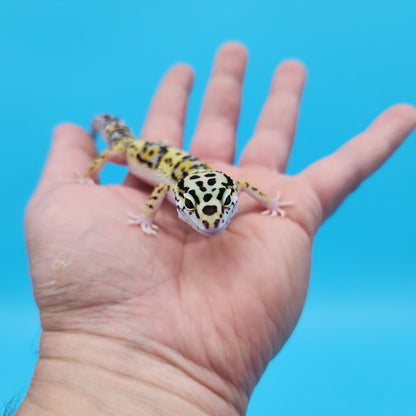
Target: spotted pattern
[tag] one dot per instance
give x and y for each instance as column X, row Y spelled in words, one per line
column 205, row 199
column 112, row 129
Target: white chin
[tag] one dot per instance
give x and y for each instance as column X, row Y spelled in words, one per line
column 201, row 229
column 210, row 233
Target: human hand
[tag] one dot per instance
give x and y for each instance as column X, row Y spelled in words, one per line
column 205, row 313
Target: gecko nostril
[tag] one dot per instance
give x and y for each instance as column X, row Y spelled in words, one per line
column 209, row 210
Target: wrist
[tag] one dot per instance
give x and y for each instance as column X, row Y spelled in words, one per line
column 88, row 374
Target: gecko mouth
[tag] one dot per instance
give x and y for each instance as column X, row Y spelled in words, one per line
column 211, row 232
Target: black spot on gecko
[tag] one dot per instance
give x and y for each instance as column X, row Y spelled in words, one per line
column 220, row 194
column 180, row 184
column 207, row 197
column 210, row 175
column 174, row 170
column 195, row 196
column 216, row 223
column 162, row 151
column 182, row 187
column 143, row 161
column 206, row 224
column 212, row 181
column 201, row 186
column 229, row 182
column 194, row 177
column 209, row 209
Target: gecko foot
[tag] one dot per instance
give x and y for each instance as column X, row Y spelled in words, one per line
column 276, row 207
column 80, row 179
column 83, row 178
column 145, row 223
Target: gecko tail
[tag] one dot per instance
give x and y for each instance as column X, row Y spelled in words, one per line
column 111, row 128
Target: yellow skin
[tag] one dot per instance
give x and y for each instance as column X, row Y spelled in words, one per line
column 205, row 198
column 182, row 324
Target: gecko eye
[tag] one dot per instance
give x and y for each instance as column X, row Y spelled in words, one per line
column 226, row 199
column 189, row 202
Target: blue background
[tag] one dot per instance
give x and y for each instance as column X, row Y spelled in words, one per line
column 353, row 351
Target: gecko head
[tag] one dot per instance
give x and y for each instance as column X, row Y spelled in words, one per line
column 206, row 200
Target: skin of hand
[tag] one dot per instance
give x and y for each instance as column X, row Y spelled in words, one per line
column 189, row 320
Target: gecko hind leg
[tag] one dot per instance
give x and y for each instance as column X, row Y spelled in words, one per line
column 81, row 178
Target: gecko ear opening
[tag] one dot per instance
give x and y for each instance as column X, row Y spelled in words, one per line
column 226, row 199
column 189, row 202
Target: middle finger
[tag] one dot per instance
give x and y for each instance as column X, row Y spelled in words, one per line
column 215, row 134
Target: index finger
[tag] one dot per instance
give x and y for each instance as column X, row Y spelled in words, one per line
column 72, row 150
column 166, row 117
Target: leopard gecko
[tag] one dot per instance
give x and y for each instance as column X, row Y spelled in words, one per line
column 206, row 199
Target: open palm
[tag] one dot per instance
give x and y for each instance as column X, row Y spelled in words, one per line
column 226, row 303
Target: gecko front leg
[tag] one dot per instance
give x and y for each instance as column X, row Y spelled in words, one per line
column 145, row 220
column 274, row 206
column 116, row 154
